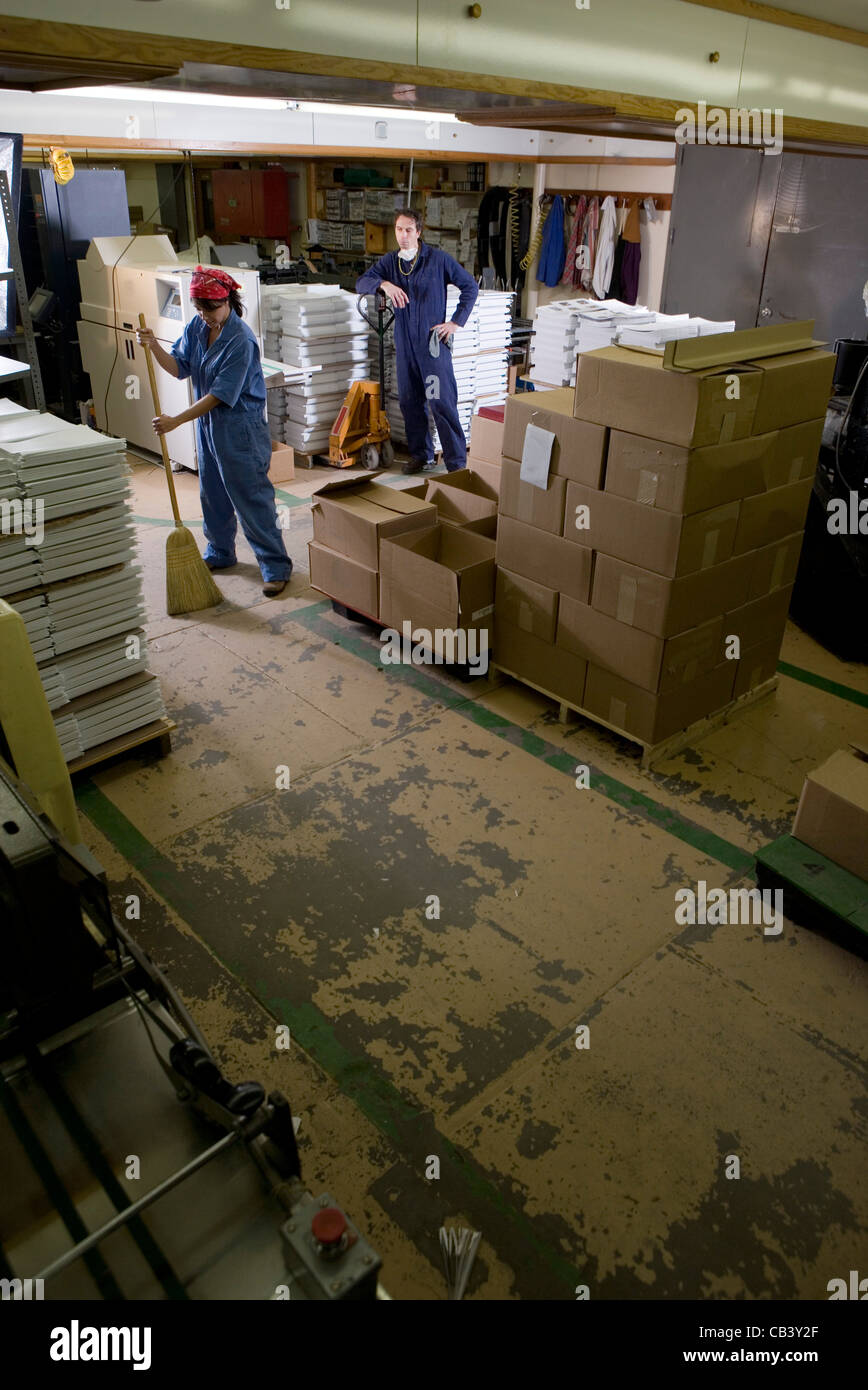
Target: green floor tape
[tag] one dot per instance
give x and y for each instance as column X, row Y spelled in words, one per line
column 843, row 692
column 824, row 882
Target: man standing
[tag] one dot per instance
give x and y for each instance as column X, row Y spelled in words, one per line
column 414, row 278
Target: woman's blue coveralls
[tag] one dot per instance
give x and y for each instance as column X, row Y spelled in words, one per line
column 234, row 444
column 417, row 369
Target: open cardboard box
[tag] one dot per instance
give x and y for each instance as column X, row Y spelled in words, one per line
column 833, row 811
column 282, row 466
column 351, row 515
column 442, row 576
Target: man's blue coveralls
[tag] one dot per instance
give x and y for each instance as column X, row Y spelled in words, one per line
column 422, row 379
column 234, row 444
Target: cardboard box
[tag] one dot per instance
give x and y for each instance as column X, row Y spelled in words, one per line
column 631, row 390
column 523, row 604
column 654, row 663
column 282, row 466
column 794, row 387
column 652, row 718
column 663, row 606
column 462, row 496
column 376, row 238
column 664, row 542
column 541, row 664
column 548, row 560
column 773, row 566
column 757, row 665
column 794, row 455
column 579, row 449
column 488, row 472
column 448, row 569
column 685, row 480
column 772, row 515
column 343, row 579
column 763, row 620
column 352, row 514
column 486, row 439
column 541, row 507
column 833, row 811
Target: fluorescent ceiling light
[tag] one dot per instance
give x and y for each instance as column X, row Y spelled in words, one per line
column 379, row 113
column 163, row 94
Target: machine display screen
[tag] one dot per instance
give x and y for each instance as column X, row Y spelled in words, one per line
column 169, row 300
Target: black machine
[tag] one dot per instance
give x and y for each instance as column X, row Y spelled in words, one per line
column 830, row 598
column 73, row 976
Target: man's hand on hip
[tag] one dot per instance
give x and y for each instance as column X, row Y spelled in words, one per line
column 399, row 298
column 445, row 330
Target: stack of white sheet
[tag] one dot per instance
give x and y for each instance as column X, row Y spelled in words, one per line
column 69, row 571
column 666, row 327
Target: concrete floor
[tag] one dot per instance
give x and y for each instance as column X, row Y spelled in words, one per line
column 454, row 1036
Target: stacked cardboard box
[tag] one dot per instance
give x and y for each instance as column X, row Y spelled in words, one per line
column 682, row 489
column 833, row 810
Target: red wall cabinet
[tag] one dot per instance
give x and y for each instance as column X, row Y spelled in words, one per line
column 251, row 202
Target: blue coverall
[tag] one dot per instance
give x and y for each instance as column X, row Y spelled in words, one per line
column 418, row 371
column 234, row 444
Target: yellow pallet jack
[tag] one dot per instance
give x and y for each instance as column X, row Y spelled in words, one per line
column 361, row 432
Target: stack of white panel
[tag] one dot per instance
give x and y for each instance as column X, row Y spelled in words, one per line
column 554, row 343
column 70, row 574
column 666, row 327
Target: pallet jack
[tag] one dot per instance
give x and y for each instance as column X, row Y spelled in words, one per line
column 361, row 433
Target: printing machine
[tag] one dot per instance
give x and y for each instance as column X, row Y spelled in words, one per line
column 120, row 278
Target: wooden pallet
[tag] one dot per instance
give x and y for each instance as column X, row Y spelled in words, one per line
column 651, row 752
column 155, row 737
column 818, row 894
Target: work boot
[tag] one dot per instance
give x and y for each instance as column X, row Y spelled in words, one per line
column 413, row 466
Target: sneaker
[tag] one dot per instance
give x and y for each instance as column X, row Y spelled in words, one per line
column 213, row 565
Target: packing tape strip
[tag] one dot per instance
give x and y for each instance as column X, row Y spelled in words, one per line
column 618, row 712
column 796, row 469
column 778, row 568
column 690, row 671
column 754, row 677
column 525, row 616
column 481, row 613
column 727, row 426
column 709, row 548
column 647, row 488
column 625, row 606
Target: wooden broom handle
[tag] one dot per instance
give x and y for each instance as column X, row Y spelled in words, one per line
column 155, row 396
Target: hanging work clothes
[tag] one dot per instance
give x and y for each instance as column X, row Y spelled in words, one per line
column 632, row 256
column 605, row 248
column 491, row 231
column 616, row 285
column 551, row 256
column 572, row 275
column 589, row 242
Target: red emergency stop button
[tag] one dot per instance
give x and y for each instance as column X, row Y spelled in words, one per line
column 329, row 1226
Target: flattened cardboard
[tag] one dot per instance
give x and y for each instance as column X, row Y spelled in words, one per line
column 763, row 620
column 656, row 664
column 549, row 668
column 548, row 560
column 343, row 579
column 631, row 391
column 523, row 604
column 351, row 515
column 652, row 718
column 663, row 606
column 579, row 450
column 795, row 387
column 771, row 516
column 685, row 480
column 795, row 454
column 664, row 542
column 486, row 439
column 833, row 811
column 536, row 506
column 773, row 566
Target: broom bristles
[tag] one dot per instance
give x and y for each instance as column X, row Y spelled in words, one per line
column 189, row 585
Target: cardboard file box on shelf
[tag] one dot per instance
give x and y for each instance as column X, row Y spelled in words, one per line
column 548, row 560
column 772, row 515
column 540, row 507
column 352, row 516
column 833, row 811
column 651, row 717
column 282, row 466
column 772, row 566
column 685, row 480
column 663, row 606
column 632, row 391
column 756, row 665
column 664, row 542
column 343, row 579
column 579, row 448
column 794, row 454
column 488, row 472
column 442, row 576
column 550, row 668
column 765, row 619
column 525, row 605
column 656, row 664
column 486, row 439
column 794, row 388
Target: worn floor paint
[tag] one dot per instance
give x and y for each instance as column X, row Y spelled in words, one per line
column 434, row 907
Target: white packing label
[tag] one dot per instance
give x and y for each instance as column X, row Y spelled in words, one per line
column 481, row 613
column 536, row 456
column 709, row 549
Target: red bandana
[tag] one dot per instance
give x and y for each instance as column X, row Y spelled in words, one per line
column 210, row 283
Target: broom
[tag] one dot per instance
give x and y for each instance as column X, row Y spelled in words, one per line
column 189, row 585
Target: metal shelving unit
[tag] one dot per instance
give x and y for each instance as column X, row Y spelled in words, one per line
column 12, row 368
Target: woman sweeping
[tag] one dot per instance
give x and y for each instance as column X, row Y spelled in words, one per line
column 221, row 354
